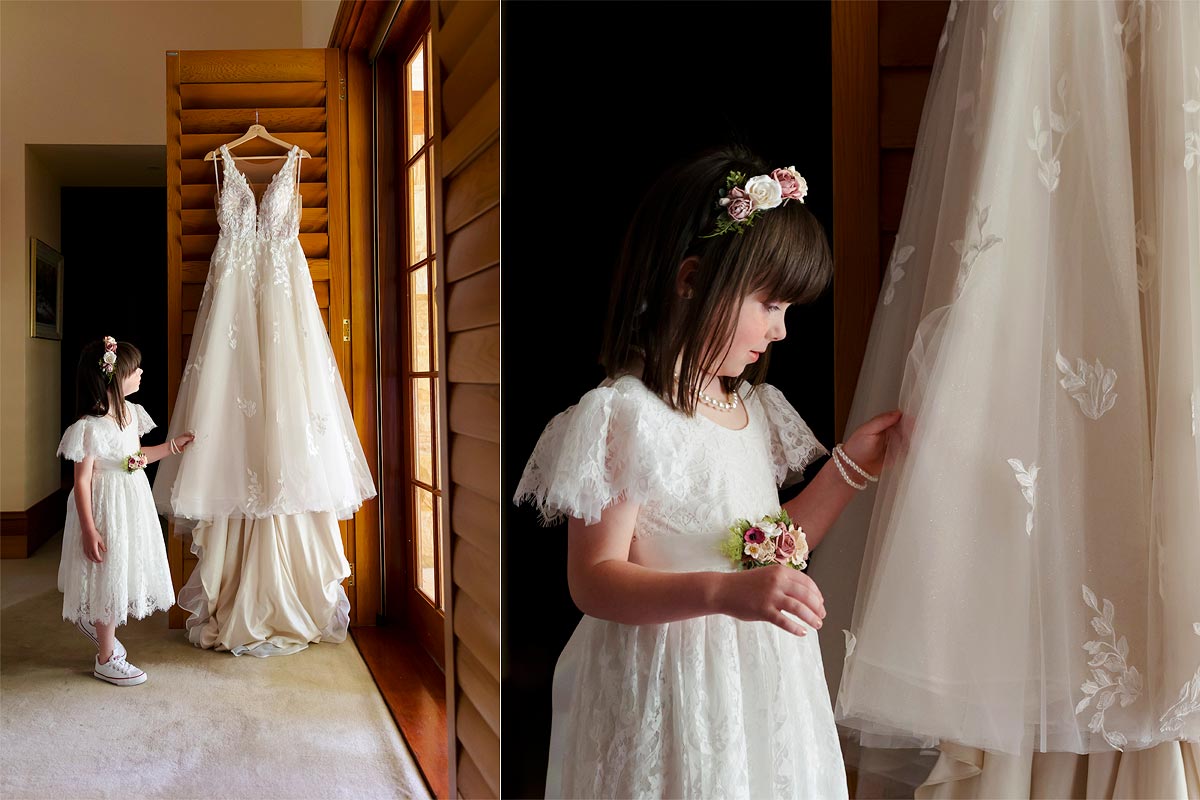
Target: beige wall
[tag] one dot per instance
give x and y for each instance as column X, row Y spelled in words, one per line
column 92, row 73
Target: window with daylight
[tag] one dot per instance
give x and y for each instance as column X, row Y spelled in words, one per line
column 422, row 359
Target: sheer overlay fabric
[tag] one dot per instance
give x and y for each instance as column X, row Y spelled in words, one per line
column 1029, row 561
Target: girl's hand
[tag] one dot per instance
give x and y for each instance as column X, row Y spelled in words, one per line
column 868, row 445
column 93, row 546
column 763, row 594
column 183, row 440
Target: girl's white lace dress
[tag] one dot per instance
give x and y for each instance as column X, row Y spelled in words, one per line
column 276, row 461
column 134, row 579
column 705, row 707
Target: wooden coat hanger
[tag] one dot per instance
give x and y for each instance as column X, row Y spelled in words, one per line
column 255, row 131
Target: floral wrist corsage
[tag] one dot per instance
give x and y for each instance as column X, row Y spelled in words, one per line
column 771, row 540
column 135, row 462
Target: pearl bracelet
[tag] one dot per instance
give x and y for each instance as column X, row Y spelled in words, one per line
column 845, row 477
column 872, row 478
column 175, row 448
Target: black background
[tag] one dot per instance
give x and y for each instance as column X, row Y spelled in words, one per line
column 597, row 99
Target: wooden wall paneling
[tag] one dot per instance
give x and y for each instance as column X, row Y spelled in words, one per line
column 295, row 94
column 475, row 520
column 479, row 128
column 475, row 785
column 474, row 190
column 481, row 687
column 894, row 168
column 477, row 575
column 462, row 26
column 473, row 465
column 855, row 49
column 363, row 344
column 253, row 66
column 475, row 411
column 474, row 73
column 480, row 741
column 474, row 356
column 474, row 302
column 470, row 780
column 466, row 45
column 474, row 247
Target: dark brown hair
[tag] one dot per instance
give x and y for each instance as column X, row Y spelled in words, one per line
column 95, row 395
column 783, row 254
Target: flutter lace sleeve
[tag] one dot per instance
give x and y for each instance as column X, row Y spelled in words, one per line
column 144, row 422
column 600, row 451
column 793, row 445
column 78, row 442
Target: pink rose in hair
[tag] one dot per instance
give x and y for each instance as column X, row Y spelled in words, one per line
column 793, row 184
column 740, row 204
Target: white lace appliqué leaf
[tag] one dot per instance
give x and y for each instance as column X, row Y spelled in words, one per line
column 1112, row 678
column 1128, row 30
column 1191, row 150
column 1027, row 478
column 247, row 407
column 973, row 246
column 253, row 490
column 895, row 269
column 1189, row 701
column 195, row 367
column 233, row 334
column 1091, row 385
column 1043, row 142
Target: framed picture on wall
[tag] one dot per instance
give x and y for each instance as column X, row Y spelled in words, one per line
column 45, row 291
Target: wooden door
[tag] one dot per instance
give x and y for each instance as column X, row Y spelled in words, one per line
column 213, row 96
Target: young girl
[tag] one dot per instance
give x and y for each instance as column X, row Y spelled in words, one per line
column 689, row 676
column 114, row 562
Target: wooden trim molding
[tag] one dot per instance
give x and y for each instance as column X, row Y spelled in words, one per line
column 23, row 532
column 855, row 33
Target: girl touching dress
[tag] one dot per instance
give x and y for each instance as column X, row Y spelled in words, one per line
column 114, row 561
column 690, row 674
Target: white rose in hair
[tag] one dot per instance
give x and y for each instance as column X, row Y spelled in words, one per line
column 110, row 357
column 765, row 191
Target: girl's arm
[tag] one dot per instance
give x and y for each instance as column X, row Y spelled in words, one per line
column 820, row 504
column 93, row 545
column 605, row 585
column 160, row 451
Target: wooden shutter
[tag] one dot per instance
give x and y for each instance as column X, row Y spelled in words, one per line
column 212, row 98
column 466, row 49
column 883, row 52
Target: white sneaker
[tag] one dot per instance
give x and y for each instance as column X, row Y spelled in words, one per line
column 89, row 630
column 119, row 672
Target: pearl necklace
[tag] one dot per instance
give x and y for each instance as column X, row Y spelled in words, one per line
column 715, row 403
column 718, row 404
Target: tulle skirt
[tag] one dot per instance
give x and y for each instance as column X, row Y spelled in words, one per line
column 1029, row 558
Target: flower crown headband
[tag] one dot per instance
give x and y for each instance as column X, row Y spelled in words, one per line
column 743, row 200
column 108, row 364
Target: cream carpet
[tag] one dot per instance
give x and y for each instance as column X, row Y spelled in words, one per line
column 205, row 725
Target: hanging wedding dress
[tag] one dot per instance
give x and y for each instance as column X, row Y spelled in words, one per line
column 276, row 462
column 1030, row 564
